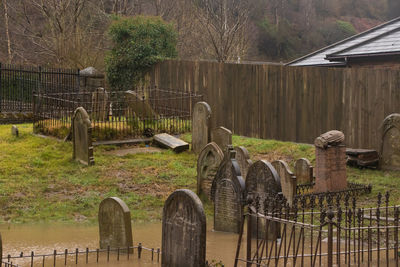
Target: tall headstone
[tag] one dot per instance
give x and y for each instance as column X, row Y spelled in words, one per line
column 227, row 193
column 304, row 171
column 390, row 143
column 82, row 137
column 100, row 104
column 288, row 180
column 115, row 224
column 208, row 163
column 263, row 181
column 201, row 126
column 330, row 162
column 243, row 159
column 222, row 137
column 183, row 231
column 138, row 106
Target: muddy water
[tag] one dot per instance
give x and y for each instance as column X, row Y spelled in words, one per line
column 44, row 239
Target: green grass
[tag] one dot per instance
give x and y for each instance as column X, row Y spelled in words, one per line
column 39, row 181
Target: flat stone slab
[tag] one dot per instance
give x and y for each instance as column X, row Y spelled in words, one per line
column 362, row 158
column 133, row 150
column 169, row 141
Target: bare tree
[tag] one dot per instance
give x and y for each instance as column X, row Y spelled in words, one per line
column 224, row 23
column 7, row 29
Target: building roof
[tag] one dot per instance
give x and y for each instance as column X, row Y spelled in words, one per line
column 381, row 40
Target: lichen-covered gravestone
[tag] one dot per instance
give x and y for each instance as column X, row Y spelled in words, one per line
column 243, row 159
column 227, row 192
column 263, row 181
column 303, row 171
column 138, row 106
column 222, row 137
column 183, row 231
column 288, row 180
column 201, row 126
column 390, row 143
column 207, row 166
column 100, row 104
column 115, row 224
column 82, row 137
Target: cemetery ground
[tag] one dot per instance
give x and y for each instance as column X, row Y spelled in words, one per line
column 39, row 181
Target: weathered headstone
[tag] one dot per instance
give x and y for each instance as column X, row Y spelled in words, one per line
column 208, row 163
column 169, row 141
column 100, row 104
column 183, row 231
column 201, row 126
column 243, row 159
column 82, row 137
column 390, row 143
column 263, row 181
column 330, row 163
column 303, row 171
column 227, row 193
column 115, row 224
column 14, row 130
column 138, row 106
column 222, row 137
column 288, row 180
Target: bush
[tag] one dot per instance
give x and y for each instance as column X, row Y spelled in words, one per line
column 138, row 43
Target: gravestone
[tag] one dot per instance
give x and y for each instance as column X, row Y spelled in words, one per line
column 169, row 141
column 243, row 159
column 100, row 104
column 222, row 137
column 303, row 171
column 14, row 130
column 82, row 137
column 208, row 163
column 138, row 106
column 288, row 180
column 390, row 143
column 183, row 231
column 201, row 126
column 227, row 193
column 263, row 181
column 330, row 163
column 115, row 224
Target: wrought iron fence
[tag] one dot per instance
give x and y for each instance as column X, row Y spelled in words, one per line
column 19, row 83
column 117, row 114
column 340, row 234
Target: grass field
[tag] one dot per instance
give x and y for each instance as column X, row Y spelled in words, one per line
column 40, row 182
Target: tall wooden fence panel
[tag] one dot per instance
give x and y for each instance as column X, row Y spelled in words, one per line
column 289, row 103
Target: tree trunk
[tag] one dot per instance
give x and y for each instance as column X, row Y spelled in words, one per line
column 7, row 31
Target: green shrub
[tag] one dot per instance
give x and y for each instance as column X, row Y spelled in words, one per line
column 138, row 43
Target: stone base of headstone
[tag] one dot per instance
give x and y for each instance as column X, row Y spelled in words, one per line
column 169, row 141
column 330, row 169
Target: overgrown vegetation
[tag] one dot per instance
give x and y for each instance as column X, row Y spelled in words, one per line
column 138, row 43
column 40, row 181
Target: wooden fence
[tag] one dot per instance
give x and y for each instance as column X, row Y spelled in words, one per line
column 289, row 103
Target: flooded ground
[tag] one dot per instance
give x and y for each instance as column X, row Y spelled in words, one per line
column 44, row 239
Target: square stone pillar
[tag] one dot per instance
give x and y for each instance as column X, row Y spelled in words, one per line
column 330, row 169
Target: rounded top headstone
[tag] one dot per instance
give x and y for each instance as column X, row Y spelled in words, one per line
column 208, row 163
column 201, row 126
column 243, row 159
column 393, row 120
column 262, row 178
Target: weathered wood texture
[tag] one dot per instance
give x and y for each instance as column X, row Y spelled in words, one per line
column 289, row 103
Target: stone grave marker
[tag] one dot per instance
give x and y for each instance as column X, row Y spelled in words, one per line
column 227, row 193
column 288, row 180
column 262, row 180
column 183, row 231
column 100, row 104
column 138, row 106
column 14, row 130
column 222, row 137
column 115, row 224
column 208, row 163
column 201, row 126
column 330, row 162
column 243, row 159
column 169, row 141
column 82, row 137
column 390, row 143
column 304, row 171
